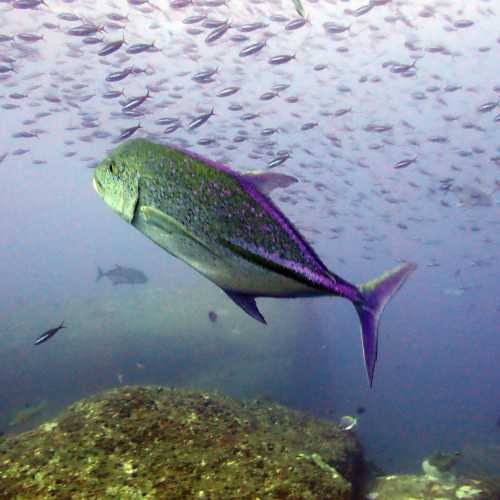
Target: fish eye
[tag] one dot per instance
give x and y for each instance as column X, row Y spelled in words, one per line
column 113, row 168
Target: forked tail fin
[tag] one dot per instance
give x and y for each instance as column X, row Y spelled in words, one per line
column 376, row 293
column 100, row 274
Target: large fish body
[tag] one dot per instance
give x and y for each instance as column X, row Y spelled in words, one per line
column 223, row 224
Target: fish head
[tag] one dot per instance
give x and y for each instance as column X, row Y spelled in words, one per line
column 116, row 178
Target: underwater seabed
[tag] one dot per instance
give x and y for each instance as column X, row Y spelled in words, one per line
column 144, row 335
column 157, row 442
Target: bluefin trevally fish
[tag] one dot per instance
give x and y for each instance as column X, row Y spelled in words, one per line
column 223, row 224
column 48, row 334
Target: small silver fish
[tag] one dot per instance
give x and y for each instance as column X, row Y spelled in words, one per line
column 200, row 120
column 405, row 163
column 299, row 8
column 111, row 47
column 347, row 423
column 85, row 30
column 277, row 161
column 488, row 106
column 135, row 102
column 255, row 48
column 116, row 76
column 28, row 4
column 227, row 91
column 295, row 24
column 128, row 132
column 48, row 334
column 281, row 59
column 217, row 33
column 138, row 48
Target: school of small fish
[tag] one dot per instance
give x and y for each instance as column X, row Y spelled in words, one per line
column 387, row 112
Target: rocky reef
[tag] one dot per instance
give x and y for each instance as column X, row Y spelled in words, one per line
column 425, row 487
column 156, row 442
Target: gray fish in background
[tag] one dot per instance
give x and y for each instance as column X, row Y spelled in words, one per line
column 120, row 275
column 470, row 196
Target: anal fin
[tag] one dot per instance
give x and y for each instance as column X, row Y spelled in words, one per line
column 247, row 303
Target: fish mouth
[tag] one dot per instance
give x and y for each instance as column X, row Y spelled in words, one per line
column 97, row 185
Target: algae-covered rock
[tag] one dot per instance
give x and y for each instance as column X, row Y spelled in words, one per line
column 157, row 442
column 423, row 487
column 28, row 413
column 438, row 466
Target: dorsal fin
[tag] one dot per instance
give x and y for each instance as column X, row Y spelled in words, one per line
column 265, row 182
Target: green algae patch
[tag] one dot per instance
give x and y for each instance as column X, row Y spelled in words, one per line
column 156, row 442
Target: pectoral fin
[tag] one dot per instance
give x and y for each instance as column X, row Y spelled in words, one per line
column 171, row 226
column 247, row 303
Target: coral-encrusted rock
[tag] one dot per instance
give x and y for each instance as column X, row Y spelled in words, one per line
column 156, row 442
column 421, row 487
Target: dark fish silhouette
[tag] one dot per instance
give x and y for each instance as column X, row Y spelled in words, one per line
column 120, row 275
column 48, row 334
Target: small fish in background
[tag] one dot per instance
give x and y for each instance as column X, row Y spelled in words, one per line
column 198, row 121
column 48, row 334
column 470, row 196
column 360, row 410
column 127, row 132
column 405, row 163
column 347, row 423
column 212, row 316
column 120, row 275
